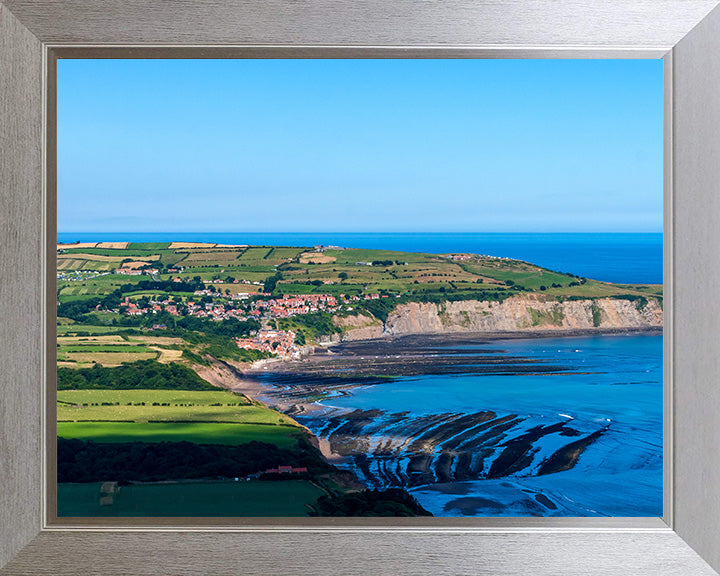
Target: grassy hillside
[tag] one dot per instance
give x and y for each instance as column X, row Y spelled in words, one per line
column 335, row 271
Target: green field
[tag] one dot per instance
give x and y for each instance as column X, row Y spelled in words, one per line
column 253, row 498
column 101, row 285
column 108, row 353
column 198, row 432
column 185, row 397
column 119, row 253
column 158, row 294
column 70, row 329
column 214, row 417
column 86, row 359
column 107, row 346
column 149, row 245
column 101, row 347
column 164, row 406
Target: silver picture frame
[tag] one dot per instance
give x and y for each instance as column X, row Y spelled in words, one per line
column 684, row 33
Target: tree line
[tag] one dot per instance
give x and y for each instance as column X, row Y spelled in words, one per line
column 140, row 375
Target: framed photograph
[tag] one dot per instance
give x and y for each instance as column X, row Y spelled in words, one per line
column 235, row 398
column 368, row 329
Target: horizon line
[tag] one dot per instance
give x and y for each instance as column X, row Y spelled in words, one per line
column 357, row 232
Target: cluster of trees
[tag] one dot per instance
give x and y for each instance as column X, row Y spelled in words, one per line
column 380, row 308
column 162, row 285
column 310, row 325
column 140, row 375
column 218, row 346
column 389, row 502
column 231, row 327
column 77, row 308
column 271, row 282
column 87, row 461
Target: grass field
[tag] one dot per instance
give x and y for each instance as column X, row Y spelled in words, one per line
column 85, row 255
column 83, row 264
column 69, row 329
column 253, row 498
column 105, row 346
column 163, row 405
column 595, row 289
column 113, row 253
column 220, row 256
column 351, row 271
column 157, row 294
column 149, row 245
column 99, row 286
column 189, row 397
column 74, row 294
column 215, row 417
column 285, row 252
column 83, row 358
column 198, row 432
column 111, row 338
column 123, row 347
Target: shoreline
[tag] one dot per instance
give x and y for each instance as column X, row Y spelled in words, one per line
column 526, row 334
column 240, row 379
column 244, row 382
column 255, row 389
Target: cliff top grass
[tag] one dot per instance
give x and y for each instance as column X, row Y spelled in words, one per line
column 196, row 432
column 303, row 269
column 388, row 277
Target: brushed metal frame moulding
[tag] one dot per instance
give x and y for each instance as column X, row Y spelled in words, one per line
column 55, row 52
column 685, row 33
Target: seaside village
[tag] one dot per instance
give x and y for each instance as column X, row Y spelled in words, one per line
column 242, row 307
column 213, row 305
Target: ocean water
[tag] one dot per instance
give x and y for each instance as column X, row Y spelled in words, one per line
column 613, row 383
column 616, row 257
column 611, row 376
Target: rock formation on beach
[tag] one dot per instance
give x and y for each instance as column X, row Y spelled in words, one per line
column 527, row 313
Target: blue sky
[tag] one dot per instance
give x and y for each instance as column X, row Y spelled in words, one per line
column 359, row 145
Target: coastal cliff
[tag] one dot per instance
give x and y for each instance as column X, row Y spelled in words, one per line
column 519, row 313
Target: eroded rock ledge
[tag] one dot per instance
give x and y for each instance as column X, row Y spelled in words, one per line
column 519, row 313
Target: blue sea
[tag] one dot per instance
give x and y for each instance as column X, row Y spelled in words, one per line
column 613, row 382
column 612, row 257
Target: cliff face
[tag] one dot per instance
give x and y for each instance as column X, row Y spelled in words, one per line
column 526, row 313
column 359, row 327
